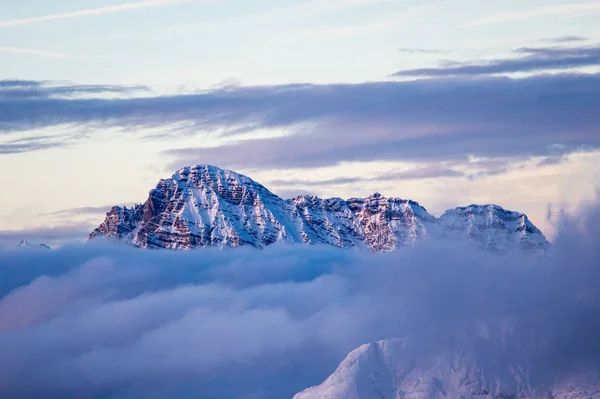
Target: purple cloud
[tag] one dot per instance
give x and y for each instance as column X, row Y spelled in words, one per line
column 534, row 59
column 428, row 172
column 422, row 120
column 101, row 321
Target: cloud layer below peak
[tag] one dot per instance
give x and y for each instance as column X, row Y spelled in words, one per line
column 102, row 321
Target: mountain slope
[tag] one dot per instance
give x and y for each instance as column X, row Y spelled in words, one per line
column 204, row 205
column 493, row 227
column 495, row 364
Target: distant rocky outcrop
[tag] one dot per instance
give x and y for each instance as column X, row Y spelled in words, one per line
column 27, row 244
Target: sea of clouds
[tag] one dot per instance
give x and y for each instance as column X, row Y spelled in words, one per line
column 99, row 320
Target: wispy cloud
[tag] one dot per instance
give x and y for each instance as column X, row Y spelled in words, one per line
column 419, row 121
column 40, row 53
column 21, row 89
column 568, row 39
column 20, row 83
column 305, row 10
column 61, row 232
column 553, row 160
column 534, row 59
column 38, row 142
column 423, row 51
column 567, row 9
column 372, row 27
column 425, row 172
column 18, row 148
column 87, row 210
column 90, row 12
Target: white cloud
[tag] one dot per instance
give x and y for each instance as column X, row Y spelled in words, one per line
column 305, row 10
column 105, row 321
column 90, row 12
column 373, row 27
column 567, row 9
column 36, row 52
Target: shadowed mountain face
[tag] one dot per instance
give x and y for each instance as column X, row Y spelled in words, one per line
column 203, row 206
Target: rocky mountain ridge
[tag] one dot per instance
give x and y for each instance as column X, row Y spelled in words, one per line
column 204, row 205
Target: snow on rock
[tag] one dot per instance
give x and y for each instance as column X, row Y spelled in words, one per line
column 204, row 205
column 494, row 228
column 490, row 365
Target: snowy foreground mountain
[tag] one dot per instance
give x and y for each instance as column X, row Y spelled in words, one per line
column 203, row 206
column 487, row 364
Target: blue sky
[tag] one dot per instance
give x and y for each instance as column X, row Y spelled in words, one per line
column 446, row 102
column 203, row 42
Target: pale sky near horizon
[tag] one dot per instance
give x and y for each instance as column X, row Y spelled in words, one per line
column 99, row 99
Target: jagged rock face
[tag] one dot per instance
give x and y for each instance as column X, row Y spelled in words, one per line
column 201, row 206
column 206, row 206
column 325, row 221
column 119, row 222
column 390, row 222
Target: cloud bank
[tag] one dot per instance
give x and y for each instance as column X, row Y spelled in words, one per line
column 102, row 321
column 422, row 120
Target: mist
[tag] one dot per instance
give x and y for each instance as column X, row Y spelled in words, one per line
column 100, row 320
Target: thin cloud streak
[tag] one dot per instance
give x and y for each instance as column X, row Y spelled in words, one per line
column 539, row 12
column 568, row 39
column 372, row 27
column 279, row 15
column 76, row 231
column 82, row 210
column 21, row 90
column 422, row 51
column 36, row 143
column 533, row 59
column 40, row 53
column 426, row 172
column 6, row 149
column 90, row 12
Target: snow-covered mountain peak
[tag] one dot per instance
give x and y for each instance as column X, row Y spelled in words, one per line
column 494, row 227
column 225, row 183
column 204, row 205
column 208, row 172
column 466, row 365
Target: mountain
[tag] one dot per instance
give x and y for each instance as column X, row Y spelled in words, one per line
column 27, row 244
column 493, row 227
column 490, row 363
column 204, row 205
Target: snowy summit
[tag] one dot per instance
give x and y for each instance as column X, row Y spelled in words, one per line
column 204, row 205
